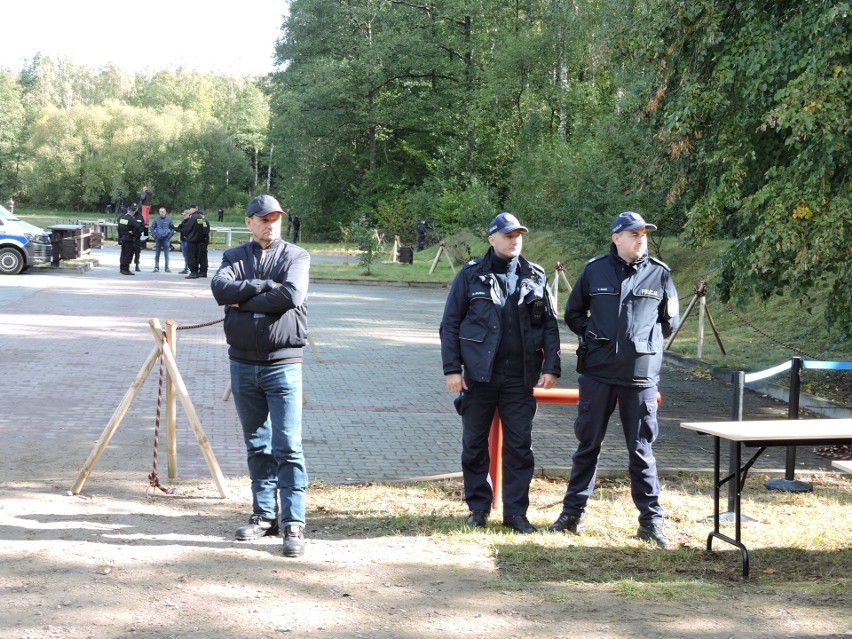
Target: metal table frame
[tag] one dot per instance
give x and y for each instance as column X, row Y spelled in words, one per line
column 761, row 435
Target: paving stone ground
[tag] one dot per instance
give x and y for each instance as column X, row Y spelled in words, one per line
column 375, row 403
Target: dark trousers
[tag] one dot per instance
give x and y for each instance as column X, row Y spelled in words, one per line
column 196, row 256
column 128, row 249
column 517, row 408
column 637, row 408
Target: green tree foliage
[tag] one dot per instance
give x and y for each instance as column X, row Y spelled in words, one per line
column 12, row 124
column 71, row 136
column 748, row 103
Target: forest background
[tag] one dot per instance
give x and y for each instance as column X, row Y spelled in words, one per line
column 718, row 120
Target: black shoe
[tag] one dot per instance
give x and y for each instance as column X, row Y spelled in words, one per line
column 568, row 522
column 183, row 272
column 258, row 527
column 137, row 268
column 519, row 524
column 477, row 518
column 654, row 533
column 168, row 271
column 127, row 272
column 157, row 269
column 294, row 540
column 191, row 276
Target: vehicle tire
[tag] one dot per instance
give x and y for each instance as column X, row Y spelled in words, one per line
column 11, row 261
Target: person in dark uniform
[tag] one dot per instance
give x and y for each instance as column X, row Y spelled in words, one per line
column 623, row 306
column 421, row 235
column 182, row 229
column 499, row 339
column 141, row 233
column 297, row 226
column 197, row 238
column 128, row 229
column 220, row 215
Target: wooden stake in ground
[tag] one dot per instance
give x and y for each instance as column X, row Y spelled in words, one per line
column 442, row 248
column 161, row 349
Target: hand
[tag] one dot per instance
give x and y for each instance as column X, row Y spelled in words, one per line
column 548, row 380
column 455, row 383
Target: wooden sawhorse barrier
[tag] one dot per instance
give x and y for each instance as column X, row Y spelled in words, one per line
column 174, row 382
column 567, row 396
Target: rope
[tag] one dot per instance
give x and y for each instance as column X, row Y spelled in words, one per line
column 204, row 325
column 154, row 478
column 767, row 336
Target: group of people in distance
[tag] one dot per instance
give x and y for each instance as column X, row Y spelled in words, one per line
column 135, row 227
column 499, row 340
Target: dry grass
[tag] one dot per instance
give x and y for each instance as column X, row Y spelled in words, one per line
column 799, row 540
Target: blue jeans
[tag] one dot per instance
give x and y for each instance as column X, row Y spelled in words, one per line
column 269, row 404
column 162, row 244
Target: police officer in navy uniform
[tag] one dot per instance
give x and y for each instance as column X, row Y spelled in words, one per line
column 128, row 232
column 623, row 306
column 197, row 237
column 499, row 339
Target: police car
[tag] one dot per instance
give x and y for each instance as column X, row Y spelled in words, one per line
column 21, row 244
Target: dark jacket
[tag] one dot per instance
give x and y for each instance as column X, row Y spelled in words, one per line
column 471, row 327
column 624, row 311
column 129, row 229
column 196, row 228
column 270, row 323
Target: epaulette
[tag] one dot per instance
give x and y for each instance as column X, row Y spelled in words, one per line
column 596, row 258
column 660, row 262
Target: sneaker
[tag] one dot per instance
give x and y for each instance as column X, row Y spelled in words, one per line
column 568, row 522
column 294, row 540
column 477, row 518
column 257, row 527
column 654, row 533
column 191, row 276
column 168, row 271
column 157, row 269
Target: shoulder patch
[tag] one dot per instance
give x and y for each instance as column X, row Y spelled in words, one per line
column 596, row 258
column 660, row 263
column 472, row 262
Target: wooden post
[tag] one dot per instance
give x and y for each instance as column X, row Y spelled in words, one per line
column 702, row 308
column 163, row 349
column 437, row 257
column 189, row 409
column 115, row 420
column 395, row 251
column 171, row 406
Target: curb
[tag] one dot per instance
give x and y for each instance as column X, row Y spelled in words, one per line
column 824, row 407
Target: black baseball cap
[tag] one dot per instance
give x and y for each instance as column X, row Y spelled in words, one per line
column 263, row 205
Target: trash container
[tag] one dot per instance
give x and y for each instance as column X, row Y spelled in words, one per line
column 406, row 254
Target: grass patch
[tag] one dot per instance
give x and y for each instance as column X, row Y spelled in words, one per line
column 800, row 543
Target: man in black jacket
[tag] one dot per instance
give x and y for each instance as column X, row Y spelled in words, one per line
column 197, row 232
column 263, row 285
column 499, row 339
column 622, row 307
column 128, row 233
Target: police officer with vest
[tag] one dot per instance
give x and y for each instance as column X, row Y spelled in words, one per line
column 197, row 232
column 499, row 339
column 623, row 306
column 129, row 230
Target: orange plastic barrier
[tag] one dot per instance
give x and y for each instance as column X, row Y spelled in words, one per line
column 565, row 396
